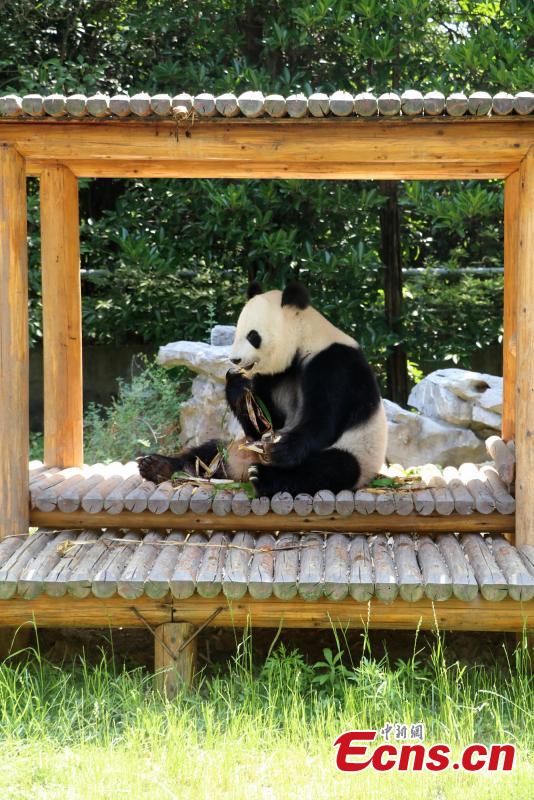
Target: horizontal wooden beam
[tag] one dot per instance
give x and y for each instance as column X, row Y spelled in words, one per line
column 356, row 523
column 214, row 168
column 477, row 615
column 276, row 122
column 49, row 612
column 350, row 148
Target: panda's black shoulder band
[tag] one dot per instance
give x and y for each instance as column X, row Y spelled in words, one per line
column 253, row 289
column 295, row 294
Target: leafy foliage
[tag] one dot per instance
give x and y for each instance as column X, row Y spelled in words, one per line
column 165, row 259
column 143, row 417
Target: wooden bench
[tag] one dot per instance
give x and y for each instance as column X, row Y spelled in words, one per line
column 227, row 566
column 470, row 498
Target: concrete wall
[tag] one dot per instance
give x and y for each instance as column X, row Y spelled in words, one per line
column 102, row 365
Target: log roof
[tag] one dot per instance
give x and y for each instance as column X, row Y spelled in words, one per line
column 255, row 105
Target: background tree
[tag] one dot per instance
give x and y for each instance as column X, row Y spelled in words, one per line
column 166, row 259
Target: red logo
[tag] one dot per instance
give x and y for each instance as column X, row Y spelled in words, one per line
column 355, row 755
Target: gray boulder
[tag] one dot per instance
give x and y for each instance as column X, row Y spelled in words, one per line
column 460, row 397
column 205, row 415
column 415, row 439
column 206, row 359
column 222, row 335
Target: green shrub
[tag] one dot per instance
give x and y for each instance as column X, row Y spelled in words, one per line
column 144, row 416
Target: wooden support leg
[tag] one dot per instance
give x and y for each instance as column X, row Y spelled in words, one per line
column 173, row 673
column 525, row 357
column 511, row 248
column 14, row 387
column 62, row 315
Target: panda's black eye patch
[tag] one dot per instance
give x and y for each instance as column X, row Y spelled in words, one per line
column 254, row 338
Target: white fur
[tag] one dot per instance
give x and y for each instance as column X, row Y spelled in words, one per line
column 283, row 330
column 367, row 442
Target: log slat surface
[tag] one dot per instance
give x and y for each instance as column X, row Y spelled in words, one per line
column 464, row 584
column 236, row 565
column 336, row 566
column 117, row 489
column 520, row 581
column 386, row 583
column 131, row 584
column 91, row 557
column 286, row 566
column 94, row 500
column 436, row 576
column 157, row 583
column 261, row 574
column 443, row 499
column 253, row 104
column 106, row 580
column 492, row 583
column 410, row 577
column 361, row 583
column 312, row 566
column 16, row 562
column 56, row 582
column 210, row 571
column 183, row 579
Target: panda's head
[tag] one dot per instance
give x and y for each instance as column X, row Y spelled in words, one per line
column 268, row 329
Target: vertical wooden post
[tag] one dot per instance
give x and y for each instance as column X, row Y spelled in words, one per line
column 397, row 362
column 173, row 673
column 511, row 245
column 14, row 357
column 62, row 318
column 525, row 356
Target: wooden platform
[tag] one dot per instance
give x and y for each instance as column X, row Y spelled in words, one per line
column 468, row 499
column 310, row 566
column 91, row 578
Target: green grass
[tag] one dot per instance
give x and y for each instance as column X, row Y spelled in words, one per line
column 253, row 731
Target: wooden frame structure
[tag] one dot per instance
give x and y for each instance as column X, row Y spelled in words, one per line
column 59, row 149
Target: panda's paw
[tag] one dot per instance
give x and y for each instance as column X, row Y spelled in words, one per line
column 254, row 478
column 155, row 468
column 236, row 386
column 259, row 477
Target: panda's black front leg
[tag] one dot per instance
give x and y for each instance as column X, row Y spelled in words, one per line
column 332, row 469
column 237, row 387
column 302, row 441
column 292, row 449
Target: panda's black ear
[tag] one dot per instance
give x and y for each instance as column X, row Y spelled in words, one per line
column 254, row 288
column 295, row 294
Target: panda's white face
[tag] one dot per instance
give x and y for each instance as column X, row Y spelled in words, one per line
column 267, row 335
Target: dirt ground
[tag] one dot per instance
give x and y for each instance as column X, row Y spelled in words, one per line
column 134, row 647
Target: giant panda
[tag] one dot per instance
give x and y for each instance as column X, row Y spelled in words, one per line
column 316, row 386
